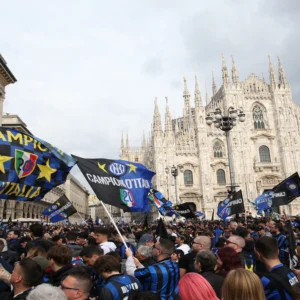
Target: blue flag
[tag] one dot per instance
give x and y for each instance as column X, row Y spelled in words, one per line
column 118, row 183
column 170, row 212
column 28, row 167
column 200, row 214
column 60, row 210
column 234, row 204
column 264, row 201
column 159, row 201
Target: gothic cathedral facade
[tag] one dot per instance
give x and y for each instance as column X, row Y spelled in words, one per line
column 264, row 148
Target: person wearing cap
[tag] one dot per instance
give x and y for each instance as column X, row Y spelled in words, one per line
column 181, row 245
column 146, row 240
column 262, row 232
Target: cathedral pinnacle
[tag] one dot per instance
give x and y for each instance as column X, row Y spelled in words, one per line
column 127, row 142
column 186, row 96
column 272, row 73
column 185, row 91
column 122, row 142
column 282, row 77
column 168, row 119
column 156, row 119
column 214, row 86
column 225, row 77
column 206, row 96
column 198, row 99
column 235, row 76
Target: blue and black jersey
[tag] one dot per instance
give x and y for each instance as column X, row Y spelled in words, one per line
column 118, row 287
column 278, row 283
column 121, row 250
column 161, row 278
column 282, row 246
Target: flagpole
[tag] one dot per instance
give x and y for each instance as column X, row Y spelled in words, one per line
column 112, row 220
column 80, row 217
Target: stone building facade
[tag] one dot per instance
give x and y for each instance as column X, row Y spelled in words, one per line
column 264, row 148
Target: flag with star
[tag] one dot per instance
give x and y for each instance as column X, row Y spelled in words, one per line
column 60, row 210
column 29, row 167
column 118, row 183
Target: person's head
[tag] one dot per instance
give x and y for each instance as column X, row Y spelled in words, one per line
column 296, row 291
column 194, row 286
column 36, row 230
column 143, row 252
column 80, row 240
column 24, row 240
column 13, row 234
column 266, row 248
column 176, row 255
column 180, row 239
column 71, row 237
column 227, row 260
column 90, row 254
column 36, row 251
column 201, row 243
column 57, row 240
column 102, row 235
column 162, row 249
column 236, row 242
column 107, row 265
column 59, row 256
column 205, row 261
column 46, row 291
column 90, row 241
column 27, row 273
column 276, row 228
column 241, row 284
column 77, row 284
column 233, row 225
column 260, row 230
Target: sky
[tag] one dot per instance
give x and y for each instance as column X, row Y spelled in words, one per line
column 88, row 70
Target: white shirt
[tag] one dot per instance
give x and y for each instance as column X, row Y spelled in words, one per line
column 185, row 248
column 108, row 247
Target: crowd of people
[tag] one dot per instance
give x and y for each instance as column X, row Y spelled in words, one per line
column 236, row 260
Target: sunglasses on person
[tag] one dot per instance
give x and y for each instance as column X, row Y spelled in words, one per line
column 63, row 287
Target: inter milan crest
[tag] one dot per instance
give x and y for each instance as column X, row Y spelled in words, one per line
column 25, row 163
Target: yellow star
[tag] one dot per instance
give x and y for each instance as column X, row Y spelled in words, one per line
column 132, row 168
column 46, row 171
column 4, row 159
column 102, row 167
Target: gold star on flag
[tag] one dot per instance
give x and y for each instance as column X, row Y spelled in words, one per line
column 102, row 167
column 46, row 171
column 132, row 168
column 3, row 159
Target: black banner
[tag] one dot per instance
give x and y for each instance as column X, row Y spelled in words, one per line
column 186, row 210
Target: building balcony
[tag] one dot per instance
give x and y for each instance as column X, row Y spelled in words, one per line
column 266, row 166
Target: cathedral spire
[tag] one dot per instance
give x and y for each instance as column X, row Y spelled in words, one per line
column 144, row 140
column 225, row 77
column 186, row 96
column 282, row 77
column 168, row 119
column 127, row 142
column 206, row 96
column 214, row 86
column 235, row 76
column 272, row 73
column 198, row 99
column 122, row 141
column 156, row 120
column 263, row 77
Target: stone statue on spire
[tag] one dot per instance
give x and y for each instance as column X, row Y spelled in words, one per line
column 186, row 96
column 168, row 119
column 281, row 72
column 272, row 74
column 198, row 99
column 235, row 76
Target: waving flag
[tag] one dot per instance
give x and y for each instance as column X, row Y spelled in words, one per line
column 159, row 201
column 234, row 204
column 60, row 210
column 118, row 183
column 200, row 214
column 28, row 167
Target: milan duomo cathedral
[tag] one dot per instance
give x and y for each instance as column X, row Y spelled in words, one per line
column 264, row 148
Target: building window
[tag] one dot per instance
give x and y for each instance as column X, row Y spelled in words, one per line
column 221, row 177
column 264, row 154
column 258, row 117
column 188, row 177
column 218, row 151
column 136, row 159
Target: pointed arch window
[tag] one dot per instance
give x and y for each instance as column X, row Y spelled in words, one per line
column 188, row 177
column 221, row 179
column 218, row 150
column 258, row 117
column 264, row 154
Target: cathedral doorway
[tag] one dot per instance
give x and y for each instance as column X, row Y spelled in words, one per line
column 191, row 197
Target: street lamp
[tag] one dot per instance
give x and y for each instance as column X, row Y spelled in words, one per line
column 226, row 122
column 174, row 172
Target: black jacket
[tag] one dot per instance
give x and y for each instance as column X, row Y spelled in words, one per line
column 10, row 295
column 41, row 242
column 57, row 277
column 10, row 257
column 215, row 280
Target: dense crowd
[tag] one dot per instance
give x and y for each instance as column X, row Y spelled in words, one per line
column 242, row 260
